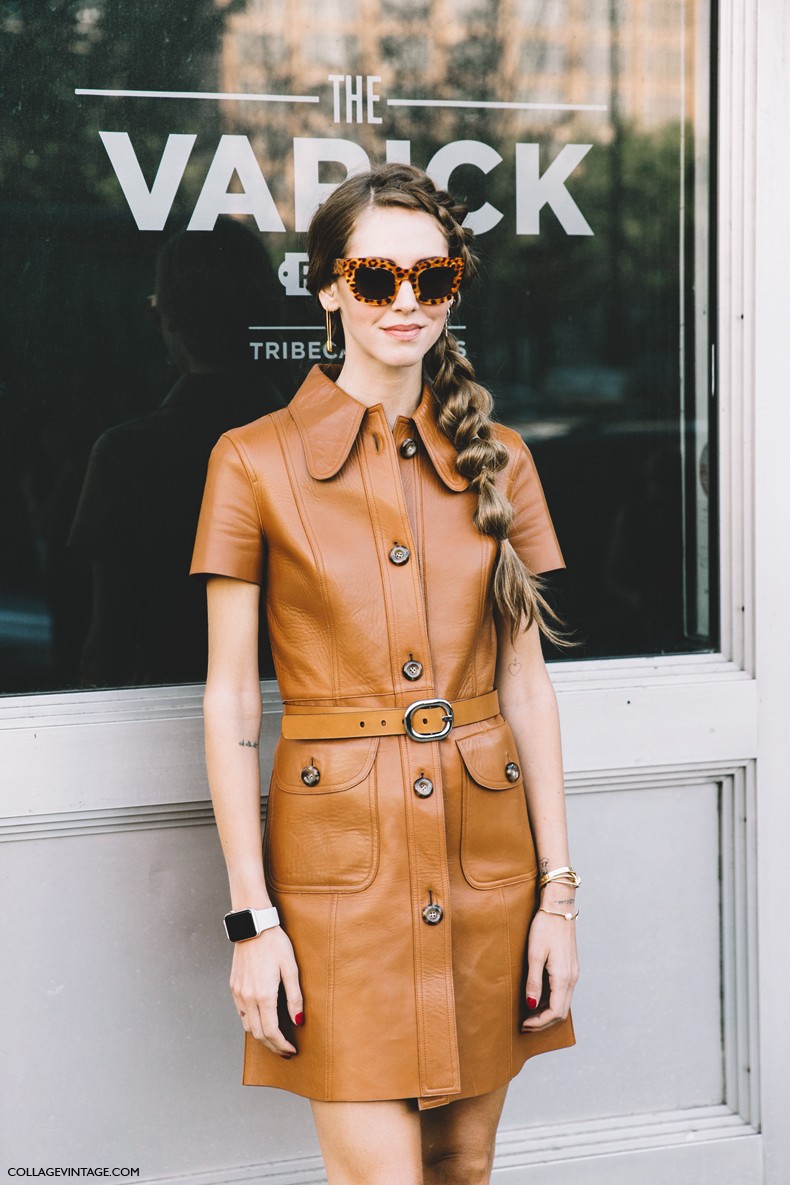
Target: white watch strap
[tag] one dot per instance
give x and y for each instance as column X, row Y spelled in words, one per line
column 265, row 919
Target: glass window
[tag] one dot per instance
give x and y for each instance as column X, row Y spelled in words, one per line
column 539, row 15
column 405, row 53
column 405, row 9
column 577, row 132
column 336, row 51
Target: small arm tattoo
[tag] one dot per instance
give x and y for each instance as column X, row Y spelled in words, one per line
column 515, row 666
column 566, row 901
column 249, row 744
column 544, row 866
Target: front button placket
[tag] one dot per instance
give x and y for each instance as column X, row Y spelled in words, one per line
column 407, row 633
column 410, row 468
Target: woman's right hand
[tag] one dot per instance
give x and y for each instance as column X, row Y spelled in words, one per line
column 259, row 964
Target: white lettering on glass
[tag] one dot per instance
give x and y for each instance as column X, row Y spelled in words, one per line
column 467, row 152
column 149, row 207
column 353, row 99
column 292, row 273
column 336, row 80
column 297, row 350
column 534, row 191
column 234, row 155
column 354, row 94
column 309, row 192
column 373, row 97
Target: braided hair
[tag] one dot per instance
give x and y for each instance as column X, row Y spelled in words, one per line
column 465, row 408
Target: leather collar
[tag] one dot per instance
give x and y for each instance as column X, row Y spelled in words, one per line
column 329, row 421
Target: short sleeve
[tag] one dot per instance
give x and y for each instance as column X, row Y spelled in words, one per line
column 230, row 540
column 532, row 534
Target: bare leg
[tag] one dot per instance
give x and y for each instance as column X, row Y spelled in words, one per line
column 458, row 1140
column 370, row 1143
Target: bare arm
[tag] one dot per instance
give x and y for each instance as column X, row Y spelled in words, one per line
column 232, row 712
column 529, row 705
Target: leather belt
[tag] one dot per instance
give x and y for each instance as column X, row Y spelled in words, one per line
column 422, row 720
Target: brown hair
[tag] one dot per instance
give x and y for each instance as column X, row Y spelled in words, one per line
column 465, row 408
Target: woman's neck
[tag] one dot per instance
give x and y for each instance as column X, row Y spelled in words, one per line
column 397, row 389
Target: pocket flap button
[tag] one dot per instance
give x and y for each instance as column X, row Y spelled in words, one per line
column 512, row 772
column 311, row 776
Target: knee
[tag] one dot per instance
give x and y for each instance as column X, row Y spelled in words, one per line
column 460, row 1167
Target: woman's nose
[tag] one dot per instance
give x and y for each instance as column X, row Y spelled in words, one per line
column 405, row 301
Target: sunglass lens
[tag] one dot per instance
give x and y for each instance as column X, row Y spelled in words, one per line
column 374, row 283
column 436, row 283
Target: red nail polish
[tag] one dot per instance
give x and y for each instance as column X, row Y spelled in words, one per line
column 299, row 1018
column 531, row 1003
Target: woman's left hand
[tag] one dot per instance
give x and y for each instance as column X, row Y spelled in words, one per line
column 551, row 945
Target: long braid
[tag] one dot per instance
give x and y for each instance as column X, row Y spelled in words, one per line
column 465, row 416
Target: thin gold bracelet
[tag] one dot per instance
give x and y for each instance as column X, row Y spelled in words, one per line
column 560, row 876
column 569, row 917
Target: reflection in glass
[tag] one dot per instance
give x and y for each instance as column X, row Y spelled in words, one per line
column 137, row 514
column 585, row 167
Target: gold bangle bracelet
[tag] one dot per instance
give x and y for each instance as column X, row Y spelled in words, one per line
column 569, row 917
column 561, row 876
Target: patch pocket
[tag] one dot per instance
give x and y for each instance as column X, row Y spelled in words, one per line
column 496, row 839
column 322, row 833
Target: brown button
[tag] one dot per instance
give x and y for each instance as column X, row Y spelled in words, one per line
column 423, row 787
column 432, row 914
column 412, row 669
column 311, row 776
column 408, row 448
column 512, row 772
column 399, row 554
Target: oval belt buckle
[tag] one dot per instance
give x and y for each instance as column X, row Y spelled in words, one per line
column 420, row 705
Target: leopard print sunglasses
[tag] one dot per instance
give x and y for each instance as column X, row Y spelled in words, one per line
column 377, row 281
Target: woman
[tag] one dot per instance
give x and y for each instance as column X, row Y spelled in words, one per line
column 397, row 527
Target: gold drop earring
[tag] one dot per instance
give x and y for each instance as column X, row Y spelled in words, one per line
column 330, row 345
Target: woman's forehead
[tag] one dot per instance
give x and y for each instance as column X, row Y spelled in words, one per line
column 398, row 234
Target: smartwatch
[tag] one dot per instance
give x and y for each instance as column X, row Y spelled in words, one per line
column 249, row 923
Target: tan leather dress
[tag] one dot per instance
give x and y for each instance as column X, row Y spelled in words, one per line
column 319, row 502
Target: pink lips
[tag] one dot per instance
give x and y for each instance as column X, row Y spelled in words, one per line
column 404, row 333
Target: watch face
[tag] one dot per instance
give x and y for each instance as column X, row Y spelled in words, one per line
column 240, row 925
